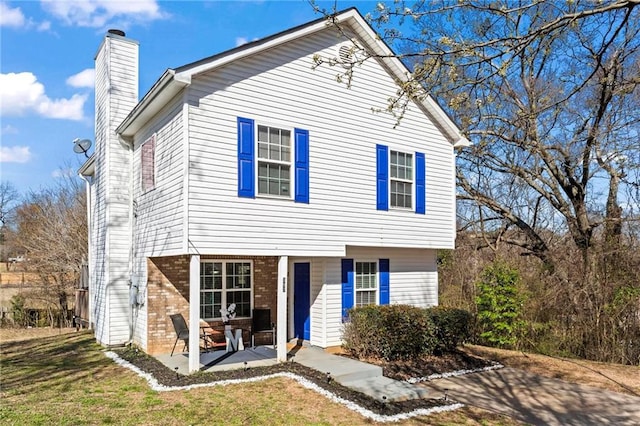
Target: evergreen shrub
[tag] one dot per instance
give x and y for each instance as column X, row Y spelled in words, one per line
column 389, row 332
column 453, row 327
column 499, row 305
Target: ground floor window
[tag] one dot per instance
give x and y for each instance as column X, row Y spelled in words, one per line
column 366, row 283
column 223, row 282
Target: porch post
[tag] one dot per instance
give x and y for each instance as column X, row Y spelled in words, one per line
column 281, row 331
column 194, row 313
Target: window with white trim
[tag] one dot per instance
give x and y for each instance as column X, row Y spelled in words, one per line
column 401, row 185
column 366, row 285
column 148, row 164
column 225, row 282
column 274, row 161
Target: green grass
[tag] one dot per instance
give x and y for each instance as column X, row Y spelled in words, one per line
column 67, row 380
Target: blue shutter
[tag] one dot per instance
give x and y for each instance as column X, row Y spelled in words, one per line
column 421, row 187
column 347, row 286
column 246, row 168
column 384, row 281
column 382, row 176
column 302, row 165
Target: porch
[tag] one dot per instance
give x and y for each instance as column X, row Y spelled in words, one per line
column 198, row 287
column 221, row 360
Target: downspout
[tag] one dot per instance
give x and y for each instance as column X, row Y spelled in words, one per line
column 89, row 248
column 133, row 284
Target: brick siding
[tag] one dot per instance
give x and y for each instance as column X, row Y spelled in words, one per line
column 168, row 294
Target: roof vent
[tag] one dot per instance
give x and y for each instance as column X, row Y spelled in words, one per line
column 350, row 53
column 116, row 32
column 345, row 56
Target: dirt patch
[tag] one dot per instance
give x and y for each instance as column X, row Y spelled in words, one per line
column 9, row 334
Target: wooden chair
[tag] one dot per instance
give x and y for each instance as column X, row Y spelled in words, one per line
column 213, row 338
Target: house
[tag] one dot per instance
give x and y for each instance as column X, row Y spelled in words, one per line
column 254, row 177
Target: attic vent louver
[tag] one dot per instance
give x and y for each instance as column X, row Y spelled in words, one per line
column 345, row 56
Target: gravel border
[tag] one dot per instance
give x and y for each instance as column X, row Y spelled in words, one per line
column 437, row 406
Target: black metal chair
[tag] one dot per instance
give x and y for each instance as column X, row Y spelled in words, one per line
column 182, row 333
column 261, row 324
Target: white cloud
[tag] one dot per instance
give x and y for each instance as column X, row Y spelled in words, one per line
column 99, row 13
column 241, row 40
column 9, row 130
column 21, row 93
column 44, row 26
column 85, row 78
column 15, row 154
column 11, row 17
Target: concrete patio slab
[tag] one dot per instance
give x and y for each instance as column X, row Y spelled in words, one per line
column 221, row 360
column 342, row 369
column 358, row 375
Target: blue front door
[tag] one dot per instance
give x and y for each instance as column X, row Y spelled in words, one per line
column 302, row 300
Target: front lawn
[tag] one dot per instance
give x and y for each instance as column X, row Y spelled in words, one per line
column 66, row 379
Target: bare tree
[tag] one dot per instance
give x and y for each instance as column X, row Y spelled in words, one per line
column 9, row 198
column 52, row 230
column 548, row 94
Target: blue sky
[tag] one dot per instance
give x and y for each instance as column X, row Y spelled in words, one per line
column 46, row 64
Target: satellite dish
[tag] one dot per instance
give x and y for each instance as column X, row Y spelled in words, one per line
column 81, row 146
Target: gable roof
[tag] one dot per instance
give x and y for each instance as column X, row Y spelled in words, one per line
column 173, row 81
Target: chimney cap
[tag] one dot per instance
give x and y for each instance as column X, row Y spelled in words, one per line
column 116, row 32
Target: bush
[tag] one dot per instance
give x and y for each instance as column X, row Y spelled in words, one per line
column 19, row 311
column 499, row 305
column 389, row 332
column 453, row 327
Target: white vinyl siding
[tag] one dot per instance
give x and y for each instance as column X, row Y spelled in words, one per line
column 158, row 220
column 279, row 86
column 317, row 310
column 413, row 279
column 332, row 305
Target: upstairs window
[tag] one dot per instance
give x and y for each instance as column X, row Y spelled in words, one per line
column 148, row 164
column 274, row 161
column 401, row 179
